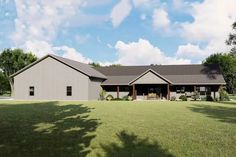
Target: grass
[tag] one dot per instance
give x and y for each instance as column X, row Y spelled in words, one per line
column 233, row 97
column 117, row 129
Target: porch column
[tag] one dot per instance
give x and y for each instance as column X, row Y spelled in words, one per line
column 118, row 91
column 134, row 92
column 195, row 88
column 168, row 91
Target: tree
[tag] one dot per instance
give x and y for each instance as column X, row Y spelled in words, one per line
column 12, row 60
column 227, row 64
column 4, row 84
column 231, row 41
column 93, row 64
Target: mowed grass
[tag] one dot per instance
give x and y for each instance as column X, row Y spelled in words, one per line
column 117, row 129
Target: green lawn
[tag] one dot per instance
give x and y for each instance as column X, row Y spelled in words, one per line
column 117, row 129
column 233, row 97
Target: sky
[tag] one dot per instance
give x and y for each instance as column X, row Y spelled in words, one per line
column 127, row 32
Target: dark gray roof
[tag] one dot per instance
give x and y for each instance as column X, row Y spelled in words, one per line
column 177, row 74
column 81, row 67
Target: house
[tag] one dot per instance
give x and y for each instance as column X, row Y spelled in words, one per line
column 56, row 78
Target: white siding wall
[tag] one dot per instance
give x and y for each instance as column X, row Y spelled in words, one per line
column 94, row 89
column 50, row 78
column 150, row 78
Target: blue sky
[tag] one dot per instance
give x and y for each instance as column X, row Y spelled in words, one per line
column 128, row 32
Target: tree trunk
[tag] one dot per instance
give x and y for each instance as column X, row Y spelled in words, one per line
column 12, row 86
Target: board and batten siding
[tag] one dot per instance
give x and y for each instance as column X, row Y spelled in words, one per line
column 149, row 78
column 94, row 88
column 50, row 79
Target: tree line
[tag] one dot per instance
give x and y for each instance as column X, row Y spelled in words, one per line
column 12, row 60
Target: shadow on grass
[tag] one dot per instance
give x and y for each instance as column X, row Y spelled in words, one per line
column 132, row 146
column 223, row 114
column 45, row 129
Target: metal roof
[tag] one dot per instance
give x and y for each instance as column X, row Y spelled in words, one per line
column 177, row 74
column 81, row 67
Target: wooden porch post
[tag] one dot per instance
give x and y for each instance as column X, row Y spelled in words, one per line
column 134, row 92
column 168, row 91
column 195, row 88
column 118, row 91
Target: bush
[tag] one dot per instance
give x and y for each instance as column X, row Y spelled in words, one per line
column 125, row 97
column 117, row 99
column 209, row 98
column 183, row 97
column 224, row 96
column 173, row 98
column 109, row 97
column 102, row 94
column 130, row 98
column 195, row 95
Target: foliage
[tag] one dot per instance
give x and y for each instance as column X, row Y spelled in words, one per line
column 93, row 64
column 115, row 65
column 173, row 98
column 224, row 96
column 183, row 98
column 12, row 60
column 209, row 98
column 117, row 99
column 130, row 98
column 227, row 64
column 4, row 84
column 109, row 97
column 232, row 38
column 102, row 94
column 195, row 95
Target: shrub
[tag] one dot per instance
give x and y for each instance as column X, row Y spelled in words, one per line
column 130, row 98
column 125, row 97
column 102, row 94
column 109, row 97
column 195, row 95
column 183, row 97
column 173, row 98
column 209, row 98
column 224, row 96
column 117, row 99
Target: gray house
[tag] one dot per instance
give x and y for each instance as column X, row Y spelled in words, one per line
column 57, row 78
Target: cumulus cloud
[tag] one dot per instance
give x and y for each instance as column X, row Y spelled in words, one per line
column 191, row 51
column 40, row 19
column 212, row 20
column 120, row 12
column 42, row 48
column 160, row 18
column 73, row 54
column 143, row 52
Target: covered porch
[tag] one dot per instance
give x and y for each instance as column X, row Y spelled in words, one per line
column 151, row 91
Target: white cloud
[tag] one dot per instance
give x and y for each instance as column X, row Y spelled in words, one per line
column 42, row 48
column 160, row 19
column 120, row 12
column 190, row 51
column 212, row 20
column 71, row 53
column 39, row 20
column 39, row 48
column 143, row 52
column 194, row 51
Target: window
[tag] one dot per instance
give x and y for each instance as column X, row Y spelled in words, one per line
column 180, row 89
column 31, row 90
column 69, row 91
